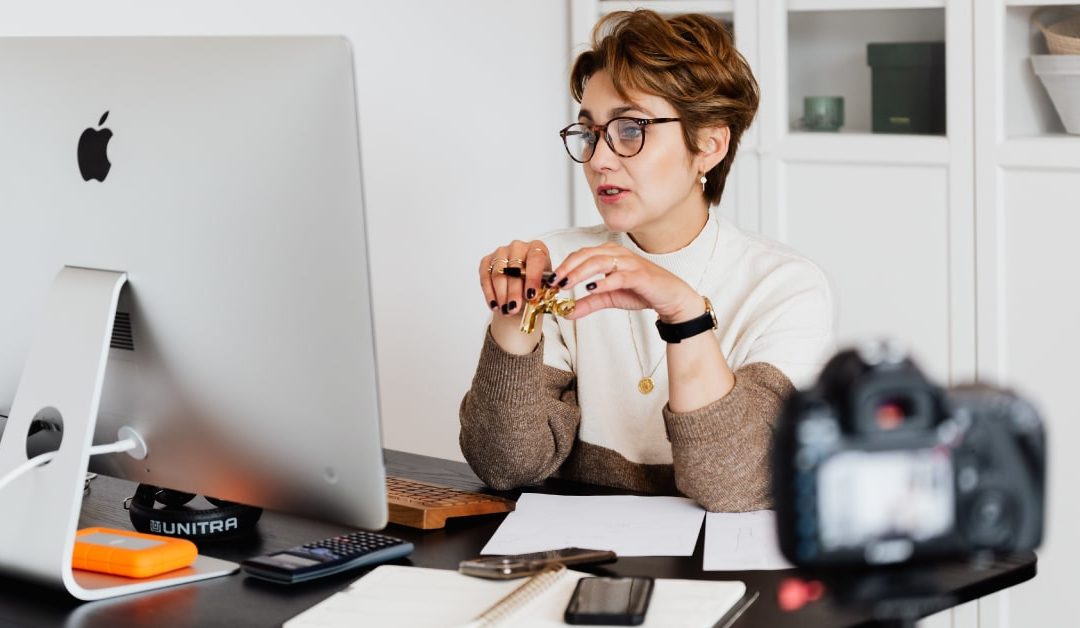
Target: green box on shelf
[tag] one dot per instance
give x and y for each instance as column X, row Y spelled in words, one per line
column 908, row 94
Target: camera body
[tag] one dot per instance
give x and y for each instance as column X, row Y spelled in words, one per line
column 875, row 465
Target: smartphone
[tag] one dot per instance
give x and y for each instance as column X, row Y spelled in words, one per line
column 520, row 565
column 603, row 601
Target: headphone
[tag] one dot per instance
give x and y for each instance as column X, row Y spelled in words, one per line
column 227, row 520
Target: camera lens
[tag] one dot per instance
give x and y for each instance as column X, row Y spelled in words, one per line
column 991, row 520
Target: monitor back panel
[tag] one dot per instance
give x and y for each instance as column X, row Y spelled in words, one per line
column 233, row 199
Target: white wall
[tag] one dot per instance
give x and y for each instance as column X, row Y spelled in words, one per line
column 460, row 103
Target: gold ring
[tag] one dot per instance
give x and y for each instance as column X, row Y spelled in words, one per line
column 614, row 264
column 516, row 260
column 491, row 266
column 542, row 251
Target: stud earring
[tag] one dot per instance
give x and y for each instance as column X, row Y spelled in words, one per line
column 702, row 179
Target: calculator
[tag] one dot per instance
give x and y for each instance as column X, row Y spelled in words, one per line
column 327, row 557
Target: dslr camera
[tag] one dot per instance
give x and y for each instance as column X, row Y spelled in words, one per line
column 875, row 465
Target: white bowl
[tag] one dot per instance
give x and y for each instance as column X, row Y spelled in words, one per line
column 1060, row 75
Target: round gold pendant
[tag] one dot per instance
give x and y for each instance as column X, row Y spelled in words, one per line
column 645, row 386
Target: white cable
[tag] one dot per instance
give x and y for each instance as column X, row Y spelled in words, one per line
column 26, row 466
column 125, row 444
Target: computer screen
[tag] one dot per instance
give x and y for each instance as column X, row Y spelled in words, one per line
column 223, row 176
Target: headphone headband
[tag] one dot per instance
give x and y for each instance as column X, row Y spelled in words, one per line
column 174, row 518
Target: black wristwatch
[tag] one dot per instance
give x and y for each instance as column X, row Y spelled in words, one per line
column 677, row 332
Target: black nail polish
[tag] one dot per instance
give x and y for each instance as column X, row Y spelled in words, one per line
column 494, row 304
column 549, row 279
column 504, row 310
column 511, row 306
column 591, row 285
column 530, row 293
column 512, row 271
column 565, row 280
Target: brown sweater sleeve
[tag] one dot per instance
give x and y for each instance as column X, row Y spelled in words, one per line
column 722, row 452
column 520, row 418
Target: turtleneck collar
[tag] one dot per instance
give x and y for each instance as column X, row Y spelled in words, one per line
column 689, row 262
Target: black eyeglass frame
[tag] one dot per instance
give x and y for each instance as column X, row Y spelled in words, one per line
column 597, row 128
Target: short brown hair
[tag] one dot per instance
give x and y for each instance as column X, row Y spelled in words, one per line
column 688, row 60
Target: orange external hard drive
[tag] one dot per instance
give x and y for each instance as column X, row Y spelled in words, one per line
column 130, row 554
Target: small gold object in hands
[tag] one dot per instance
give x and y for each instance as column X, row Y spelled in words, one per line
column 547, row 301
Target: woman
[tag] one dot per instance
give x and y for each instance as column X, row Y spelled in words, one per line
column 601, row 396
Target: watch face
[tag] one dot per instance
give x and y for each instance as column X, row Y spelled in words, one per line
column 712, row 314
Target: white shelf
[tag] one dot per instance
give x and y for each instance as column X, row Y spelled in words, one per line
column 669, row 6
column 1038, row 3
column 860, row 5
column 1027, row 106
column 826, row 54
column 1056, row 152
column 865, row 148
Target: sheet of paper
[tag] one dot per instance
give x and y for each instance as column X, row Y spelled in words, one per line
column 742, row 541
column 626, row 524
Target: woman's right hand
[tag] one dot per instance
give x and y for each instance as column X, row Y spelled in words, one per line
column 506, row 292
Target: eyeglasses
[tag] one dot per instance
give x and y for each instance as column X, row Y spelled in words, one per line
column 627, row 141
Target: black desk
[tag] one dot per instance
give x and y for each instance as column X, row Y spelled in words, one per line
column 237, row 601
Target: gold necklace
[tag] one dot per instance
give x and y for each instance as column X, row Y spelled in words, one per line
column 646, row 384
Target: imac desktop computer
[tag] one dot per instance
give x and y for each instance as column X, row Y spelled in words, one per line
column 183, row 267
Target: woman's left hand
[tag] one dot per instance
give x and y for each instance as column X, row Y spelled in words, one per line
column 630, row 283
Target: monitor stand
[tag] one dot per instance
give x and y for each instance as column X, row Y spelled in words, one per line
column 62, row 378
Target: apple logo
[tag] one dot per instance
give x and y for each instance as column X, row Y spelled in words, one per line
column 92, row 153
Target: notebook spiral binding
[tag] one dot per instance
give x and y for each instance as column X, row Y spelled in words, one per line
column 520, row 596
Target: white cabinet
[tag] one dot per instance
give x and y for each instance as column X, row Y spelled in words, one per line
column 1027, row 196
column 963, row 245
column 887, row 216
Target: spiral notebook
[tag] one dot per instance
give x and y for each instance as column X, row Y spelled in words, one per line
column 394, row 595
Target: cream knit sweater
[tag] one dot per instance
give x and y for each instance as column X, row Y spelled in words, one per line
column 572, row 408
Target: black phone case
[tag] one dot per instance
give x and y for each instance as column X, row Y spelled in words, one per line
column 623, row 617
